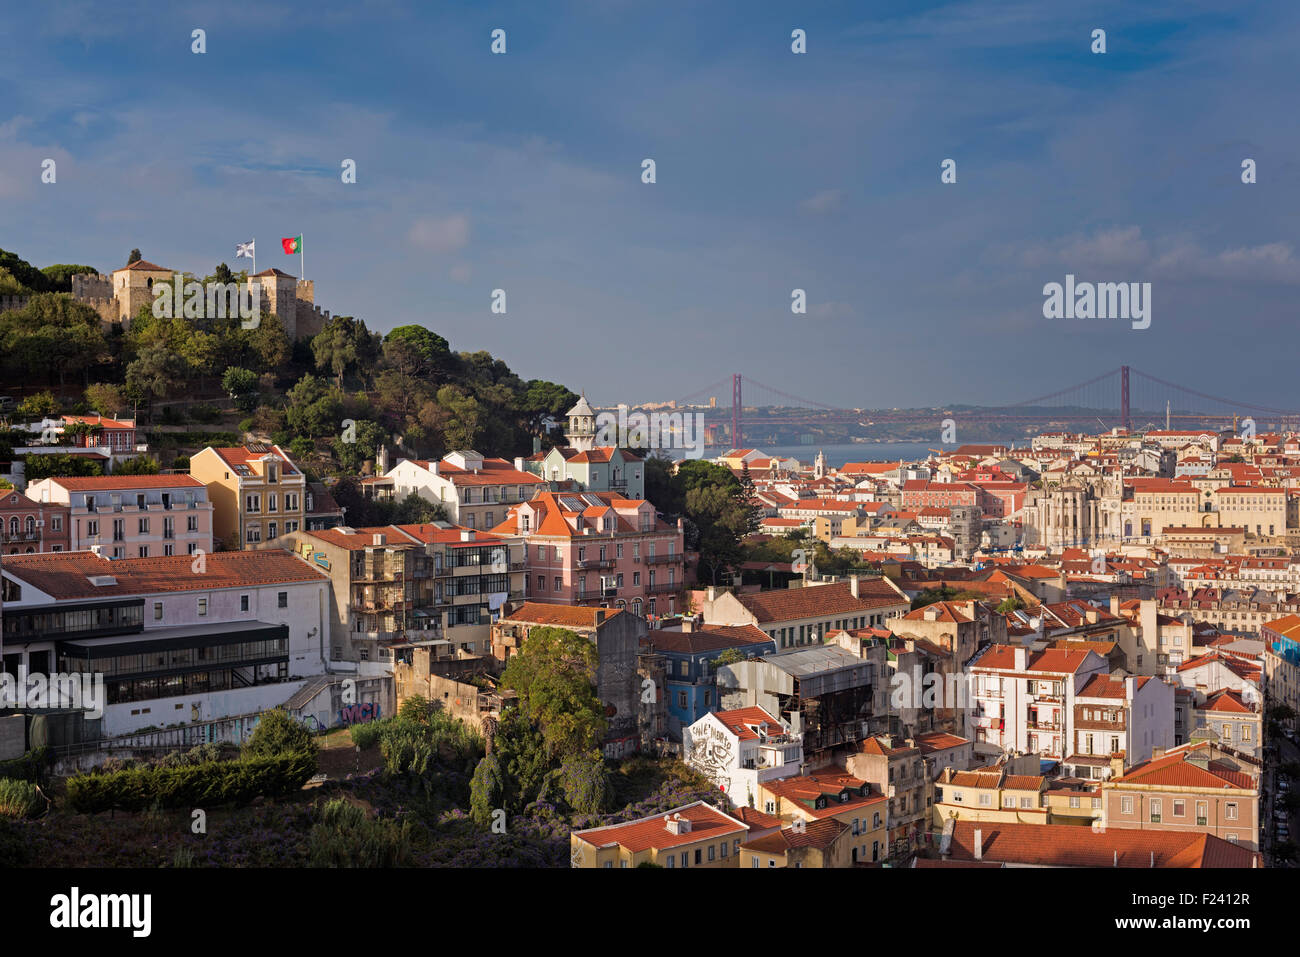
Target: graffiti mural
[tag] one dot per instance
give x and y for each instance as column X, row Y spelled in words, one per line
column 711, row 753
column 359, row 713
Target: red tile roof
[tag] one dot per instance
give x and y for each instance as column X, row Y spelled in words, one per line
column 819, row 600
column 538, row 613
column 744, row 722
column 652, row 832
column 820, row 834
column 1067, row 845
column 111, row 483
column 66, row 575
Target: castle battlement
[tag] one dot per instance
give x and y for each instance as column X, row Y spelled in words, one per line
column 11, row 303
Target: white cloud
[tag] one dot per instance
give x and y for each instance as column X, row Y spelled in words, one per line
column 827, row 201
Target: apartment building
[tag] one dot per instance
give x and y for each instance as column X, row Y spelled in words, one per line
column 132, row 516
column 1226, row 718
column 599, row 548
column 740, row 749
column 826, row 843
column 476, row 492
column 1068, row 845
column 176, row 645
column 257, row 493
column 989, row 794
column 28, row 526
column 690, row 675
column 1281, row 664
column 1118, row 715
column 693, row 835
column 1025, row 700
column 1192, row 788
column 896, row 767
column 396, row 587
column 796, row 617
column 831, row 794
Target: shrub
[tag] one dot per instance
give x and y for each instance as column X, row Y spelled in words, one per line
column 346, row 837
column 20, row 799
column 367, row 735
column 205, row 414
column 32, row 766
column 277, row 733
column 198, row 785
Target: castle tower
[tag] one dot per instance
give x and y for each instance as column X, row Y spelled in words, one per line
column 581, row 433
column 280, row 297
column 133, row 286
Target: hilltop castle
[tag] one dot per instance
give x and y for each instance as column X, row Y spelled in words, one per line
column 117, row 298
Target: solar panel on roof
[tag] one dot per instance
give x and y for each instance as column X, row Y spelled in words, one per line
column 572, row 504
column 591, row 499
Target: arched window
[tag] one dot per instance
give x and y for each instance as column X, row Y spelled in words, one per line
column 13, row 525
column 31, row 524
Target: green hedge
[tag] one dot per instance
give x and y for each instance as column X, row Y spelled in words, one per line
column 208, row 784
column 20, row 799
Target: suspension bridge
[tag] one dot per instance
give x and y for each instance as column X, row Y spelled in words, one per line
column 1123, row 397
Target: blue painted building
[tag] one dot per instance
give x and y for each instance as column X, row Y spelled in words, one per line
column 690, row 679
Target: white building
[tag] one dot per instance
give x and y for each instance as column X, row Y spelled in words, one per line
column 1025, row 700
column 178, row 640
column 1115, row 715
column 739, row 749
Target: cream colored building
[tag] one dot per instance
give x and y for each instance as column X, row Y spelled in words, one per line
column 257, row 493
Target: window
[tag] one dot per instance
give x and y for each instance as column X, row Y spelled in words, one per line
column 559, row 583
column 1096, row 803
column 1026, row 802
column 723, row 848
column 753, row 860
column 144, row 551
column 1008, row 801
column 1180, row 809
column 710, row 852
column 672, row 861
column 282, row 600
column 157, row 611
column 203, row 607
column 985, row 800
column 1230, row 811
column 681, row 700
column 1074, row 802
column 1155, row 810
column 243, row 603
column 252, row 503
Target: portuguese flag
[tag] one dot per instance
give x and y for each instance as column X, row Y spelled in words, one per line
column 291, row 244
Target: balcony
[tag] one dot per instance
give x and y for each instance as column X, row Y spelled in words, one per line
column 20, row 537
column 663, row 559
column 588, row 563
column 1042, row 726
column 663, row 588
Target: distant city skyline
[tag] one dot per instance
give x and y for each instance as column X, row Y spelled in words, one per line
column 774, row 172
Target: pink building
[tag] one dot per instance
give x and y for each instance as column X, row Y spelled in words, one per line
column 599, row 548
column 132, row 516
column 27, row 526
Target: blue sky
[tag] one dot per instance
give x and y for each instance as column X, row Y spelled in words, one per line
column 775, row 171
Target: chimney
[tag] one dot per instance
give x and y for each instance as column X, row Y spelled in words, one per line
column 853, row 585
column 600, row 616
column 379, row 539
column 1114, row 604
column 467, row 534
column 1157, row 753
column 713, row 593
column 979, row 844
column 1021, row 657
column 688, row 625
column 519, row 463
column 1116, row 766
column 1090, row 616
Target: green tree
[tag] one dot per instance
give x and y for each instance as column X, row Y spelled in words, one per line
column 584, row 778
column 241, row 385
column 416, row 351
column 135, row 257
column 106, row 398
column 157, row 371
column 138, row 465
column 277, row 733
column 38, row 406
column 555, row 674
column 344, row 344
column 60, row 276
column 487, row 789
column 47, row 466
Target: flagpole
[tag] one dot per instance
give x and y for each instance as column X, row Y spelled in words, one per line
column 254, row 256
column 302, row 251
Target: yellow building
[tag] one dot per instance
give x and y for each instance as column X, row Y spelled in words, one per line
column 1074, row 801
column 989, row 794
column 257, row 493
column 831, row 794
column 825, row 843
column 694, row 835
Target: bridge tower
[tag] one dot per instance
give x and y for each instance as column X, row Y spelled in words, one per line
column 1123, row 397
column 736, row 437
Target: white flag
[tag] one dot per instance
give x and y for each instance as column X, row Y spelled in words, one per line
column 244, row 249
